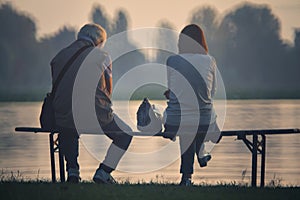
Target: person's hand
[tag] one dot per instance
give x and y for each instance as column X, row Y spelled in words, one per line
column 167, row 94
column 171, row 136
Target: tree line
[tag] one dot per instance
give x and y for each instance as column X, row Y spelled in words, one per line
column 254, row 61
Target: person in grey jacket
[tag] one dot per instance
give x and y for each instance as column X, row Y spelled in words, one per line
column 93, row 36
column 191, row 76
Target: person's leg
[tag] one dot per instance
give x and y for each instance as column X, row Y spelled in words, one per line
column 117, row 132
column 214, row 133
column 202, row 136
column 187, row 149
column 68, row 144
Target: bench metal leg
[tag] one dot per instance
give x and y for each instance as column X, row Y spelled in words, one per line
column 54, row 147
column 52, row 158
column 254, row 161
column 256, row 146
column 263, row 160
column 61, row 163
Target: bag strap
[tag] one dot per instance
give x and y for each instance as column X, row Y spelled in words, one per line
column 66, row 67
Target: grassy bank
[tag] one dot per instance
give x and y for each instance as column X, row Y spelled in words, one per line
column 13, row 190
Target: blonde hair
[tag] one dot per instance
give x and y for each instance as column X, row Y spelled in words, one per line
column 93, row 31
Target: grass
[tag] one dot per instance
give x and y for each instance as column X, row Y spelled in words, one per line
column 15, row 186
column 46, row 190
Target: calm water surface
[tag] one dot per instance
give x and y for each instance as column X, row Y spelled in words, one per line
column 28, row 153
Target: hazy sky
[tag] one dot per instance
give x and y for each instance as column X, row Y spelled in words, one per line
column 53, row 14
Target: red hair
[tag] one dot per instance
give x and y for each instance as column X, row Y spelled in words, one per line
column 192, row 40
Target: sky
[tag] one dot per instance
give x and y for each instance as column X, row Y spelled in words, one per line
column 51, row 15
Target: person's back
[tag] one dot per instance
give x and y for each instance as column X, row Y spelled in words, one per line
column 63, row 98
column 199, row 71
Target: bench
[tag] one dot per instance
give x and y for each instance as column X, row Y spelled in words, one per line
column 256, row 146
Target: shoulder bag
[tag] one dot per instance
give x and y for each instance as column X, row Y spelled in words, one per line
column 47, row 116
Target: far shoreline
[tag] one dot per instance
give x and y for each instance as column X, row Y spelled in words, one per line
column 153, row 99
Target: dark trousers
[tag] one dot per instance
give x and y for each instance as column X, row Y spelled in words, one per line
column 190, row 145
column 68, row 145
column 68, row 142
column 116, row 131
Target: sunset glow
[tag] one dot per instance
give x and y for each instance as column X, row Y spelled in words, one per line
column 52, row 15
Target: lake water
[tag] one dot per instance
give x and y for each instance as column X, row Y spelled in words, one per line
column 28, row 153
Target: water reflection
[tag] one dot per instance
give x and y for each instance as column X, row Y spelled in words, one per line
column 29, row 153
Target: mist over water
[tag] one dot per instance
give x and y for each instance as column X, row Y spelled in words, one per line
column 254, row 61
column 28, row 153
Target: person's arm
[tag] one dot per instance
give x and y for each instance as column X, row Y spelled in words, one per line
column 108, row 75
column 167, row 92
column 214, row 84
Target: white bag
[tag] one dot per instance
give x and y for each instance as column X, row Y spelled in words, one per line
column 149, row 119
